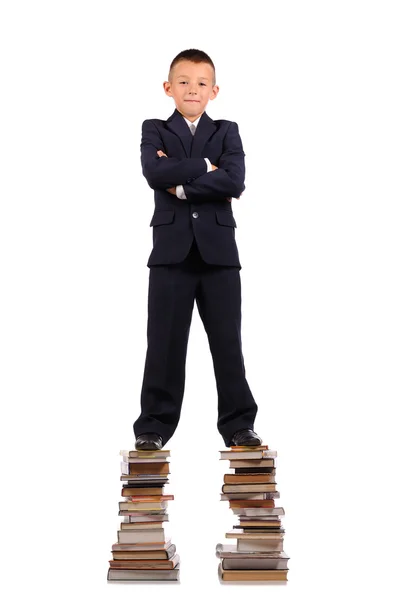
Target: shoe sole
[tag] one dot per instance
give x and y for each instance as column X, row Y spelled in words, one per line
column 148, row 446
column 249, row 444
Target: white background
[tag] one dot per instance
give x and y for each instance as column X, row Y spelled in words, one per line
column 314, row 89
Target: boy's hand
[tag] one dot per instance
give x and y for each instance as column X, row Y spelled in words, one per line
column 173, row 189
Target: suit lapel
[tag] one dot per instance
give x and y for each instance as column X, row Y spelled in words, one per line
column 193, row 145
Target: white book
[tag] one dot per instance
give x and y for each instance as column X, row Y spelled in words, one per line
column 143, row 574
column 255, row 512
column 131, row 536
column 260, row 545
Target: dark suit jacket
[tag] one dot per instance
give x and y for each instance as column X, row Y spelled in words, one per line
column 206, row 214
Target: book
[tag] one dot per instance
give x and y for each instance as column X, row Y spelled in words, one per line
column 247, row 478
column 241, row 462
column 144, row 478
column 247, row 530
column 144, row 554
column 139, row 506
column 230, row 551
column 126, row 513
column 145, row 564
column 259, row 545
column 138, row 491
column 246, row 454
column 148, row 546
column 231, row 558
column 144, row 484
column 144, row 518
column 145, row 526
column 239, row 534
column 163, row 546
column 247, row 470
column 152, row 498
column 145, row 469
column 257, row 512
column 141, row 536
column 251, row 487
column 265, row 522
column 251, row 504
column 250, row 496
column 266, row 517
column 143, row 574
column 141, row 461
column 145, row 453
column 253, row 574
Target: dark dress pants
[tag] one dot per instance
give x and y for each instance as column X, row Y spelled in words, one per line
column 217, row 292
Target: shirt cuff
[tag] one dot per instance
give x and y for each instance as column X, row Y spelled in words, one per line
column 208, row 164
column 180, row 192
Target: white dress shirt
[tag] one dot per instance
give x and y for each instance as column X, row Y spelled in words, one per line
column 179, row 188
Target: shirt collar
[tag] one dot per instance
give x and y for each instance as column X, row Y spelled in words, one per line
column 192, row 122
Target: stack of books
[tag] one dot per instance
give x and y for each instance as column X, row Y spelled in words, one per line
column 251, row 491
column 144, row 550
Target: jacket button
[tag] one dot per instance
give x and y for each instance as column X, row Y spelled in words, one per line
column 190, row 179
column 195, row 215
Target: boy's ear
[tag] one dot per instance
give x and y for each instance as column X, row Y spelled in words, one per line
column 166, row 87
column 215, row 91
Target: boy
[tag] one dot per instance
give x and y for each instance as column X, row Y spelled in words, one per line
column 195, row 166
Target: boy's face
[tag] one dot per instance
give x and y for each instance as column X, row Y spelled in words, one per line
column 191, row 88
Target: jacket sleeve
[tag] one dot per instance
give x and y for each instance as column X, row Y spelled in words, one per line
column 161, row 172
column 228, row 179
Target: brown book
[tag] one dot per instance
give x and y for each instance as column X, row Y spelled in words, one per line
column 149, row 564
column 155, row 498
column 241, row 461
column 143, row 554
column 145, row 468
column 145, row 453
column 250, row 478
column 251, row 487
column 157, row 491
column 253, row 575
column 251, row 503
column 256, row 523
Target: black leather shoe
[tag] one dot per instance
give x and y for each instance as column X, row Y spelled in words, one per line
column 245, row 437
column 149, row 441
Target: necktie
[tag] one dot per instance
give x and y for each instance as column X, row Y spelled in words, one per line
column 192, row 128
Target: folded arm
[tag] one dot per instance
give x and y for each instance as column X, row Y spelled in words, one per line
column 162, row 173
column 228, row 179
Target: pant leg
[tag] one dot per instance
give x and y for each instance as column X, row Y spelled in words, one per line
column 219, row 306
column 170, row 305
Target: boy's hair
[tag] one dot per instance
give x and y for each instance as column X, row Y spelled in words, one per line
column 197, row 56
